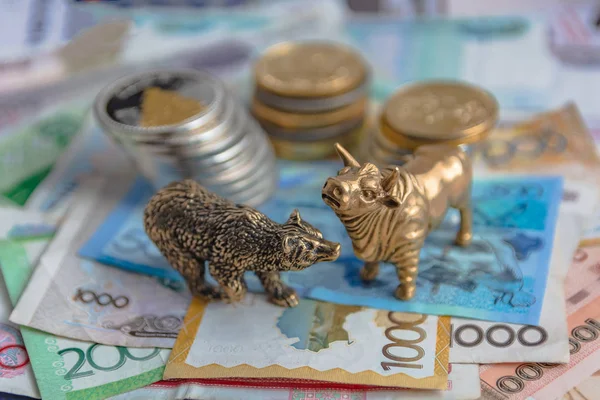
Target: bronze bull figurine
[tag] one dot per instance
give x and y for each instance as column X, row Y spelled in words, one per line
column 388, row 213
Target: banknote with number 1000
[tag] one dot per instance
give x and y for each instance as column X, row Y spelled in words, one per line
column 314, row 340
column 543, row 380
column 68, row 369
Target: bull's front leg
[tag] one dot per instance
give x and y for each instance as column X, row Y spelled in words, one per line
column 407, row 269
column 279, row 293
column 465, row 231
column 369, row 271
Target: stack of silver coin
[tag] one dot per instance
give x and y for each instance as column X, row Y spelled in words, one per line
column 221, row 147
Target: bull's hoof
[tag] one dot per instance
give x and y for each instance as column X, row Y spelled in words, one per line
column 405, row 292
column 287, row 298
column 464, row 239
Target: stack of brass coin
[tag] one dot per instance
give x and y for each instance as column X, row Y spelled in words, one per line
column 309, row 95
column 177, row 124
column 448, row 112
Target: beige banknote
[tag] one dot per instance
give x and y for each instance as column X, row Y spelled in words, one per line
column 557, row 143
column 315, row 340
column 80, row 299
column 550, row 381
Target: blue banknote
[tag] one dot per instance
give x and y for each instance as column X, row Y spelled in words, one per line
column 500, row 277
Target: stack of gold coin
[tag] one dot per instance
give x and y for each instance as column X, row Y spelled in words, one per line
column 309, row 95
column 448, row 112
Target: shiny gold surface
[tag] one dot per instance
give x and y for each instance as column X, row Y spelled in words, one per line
column 411, row 143
column 316, row 149
column 439, row 111
column 166, row 107
column 308, row 120
column 388, row 213
column 309, row 69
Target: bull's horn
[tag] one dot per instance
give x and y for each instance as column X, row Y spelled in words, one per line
column 388, row 182
column 346, row 157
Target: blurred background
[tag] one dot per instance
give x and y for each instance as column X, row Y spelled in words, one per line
column 531, row 54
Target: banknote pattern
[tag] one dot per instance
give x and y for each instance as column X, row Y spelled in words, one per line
column 485, row 342
column 16, row 375
column 316, row 340
column 90, row 154
column 103, row 304
column 65, row 368
column 556, row 143
column 500, row 277
column 543, row 380
column 21, row 231
column 28, row 155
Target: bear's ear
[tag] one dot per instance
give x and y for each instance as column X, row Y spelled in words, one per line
column 288, row 244
column 295, row 217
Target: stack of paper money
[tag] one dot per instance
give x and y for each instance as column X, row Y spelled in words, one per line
column 90, row 308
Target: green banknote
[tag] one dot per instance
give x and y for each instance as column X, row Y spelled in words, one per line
column 28, row 154
column 67, row 369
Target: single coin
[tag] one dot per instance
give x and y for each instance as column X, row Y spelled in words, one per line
column 439, row 110
column 309, row 69
column 308, row 120
column 311, row 134
column 316, row 104
column 118, row 107
column 315, row 150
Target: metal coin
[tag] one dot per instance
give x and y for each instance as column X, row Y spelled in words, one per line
column 312, row 134
column 308, row 120
column 448, row 111
column 315, row 150
column 309, row 69
column 316, row 104
column 117, row 107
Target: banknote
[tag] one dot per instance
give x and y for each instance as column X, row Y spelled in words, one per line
column 315, row 340
column 514, row 227
column 452, row 49
column 586, row 390
column 16, row 375
column 463, row 383
column 543, row 380
column 476, row 341
column 556, row 142
column 84, row 300
column 90, row 154
column 29, row 153
column 31, row 231
column 549, row 381
column 68, row 369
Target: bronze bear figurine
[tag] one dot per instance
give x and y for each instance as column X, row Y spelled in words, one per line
column 388, row 213
column 192, row 226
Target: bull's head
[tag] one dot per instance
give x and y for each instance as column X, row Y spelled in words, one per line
column 363, row 187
